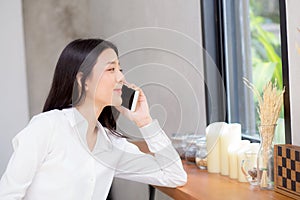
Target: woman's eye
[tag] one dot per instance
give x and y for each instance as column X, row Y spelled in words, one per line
column 114, row 69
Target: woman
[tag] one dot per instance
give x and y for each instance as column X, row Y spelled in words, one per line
column 72, row 151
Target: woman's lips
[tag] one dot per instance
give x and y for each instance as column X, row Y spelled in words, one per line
column 119, row 91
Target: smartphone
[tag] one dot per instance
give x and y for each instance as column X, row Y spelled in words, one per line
column 129, row 98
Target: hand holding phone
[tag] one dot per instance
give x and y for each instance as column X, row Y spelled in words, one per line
column 129, row 98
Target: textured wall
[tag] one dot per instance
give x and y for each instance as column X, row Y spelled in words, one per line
column 160, row 50
column 49, row 26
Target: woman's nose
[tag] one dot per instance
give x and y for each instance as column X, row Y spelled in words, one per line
column 120, row 76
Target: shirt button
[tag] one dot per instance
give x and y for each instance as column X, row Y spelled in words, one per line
column 92, row 180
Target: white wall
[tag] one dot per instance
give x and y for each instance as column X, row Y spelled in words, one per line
column 13, row 86
column 293, row 16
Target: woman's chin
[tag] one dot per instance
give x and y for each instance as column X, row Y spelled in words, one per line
column 117, row 103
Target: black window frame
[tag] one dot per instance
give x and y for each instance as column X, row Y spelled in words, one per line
column 212, row 21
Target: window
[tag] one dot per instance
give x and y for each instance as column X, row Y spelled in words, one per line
column 247, row 42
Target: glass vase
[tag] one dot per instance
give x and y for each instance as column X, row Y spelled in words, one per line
column 265, row 157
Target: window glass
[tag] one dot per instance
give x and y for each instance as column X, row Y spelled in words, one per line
column 253, row 51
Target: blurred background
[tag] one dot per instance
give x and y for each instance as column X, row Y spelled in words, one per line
column 161, row 50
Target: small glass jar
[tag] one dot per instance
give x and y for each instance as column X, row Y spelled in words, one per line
column 249, row 163
column 190, row 152
column 201, row 155
column 179, row 143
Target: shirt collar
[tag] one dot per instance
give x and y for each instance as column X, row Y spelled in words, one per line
column 80, row 125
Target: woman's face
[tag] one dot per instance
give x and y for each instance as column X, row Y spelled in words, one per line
column 106, row 80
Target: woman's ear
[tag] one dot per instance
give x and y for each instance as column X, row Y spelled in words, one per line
column 79, row 80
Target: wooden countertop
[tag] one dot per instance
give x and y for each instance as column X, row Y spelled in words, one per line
column 202, row 185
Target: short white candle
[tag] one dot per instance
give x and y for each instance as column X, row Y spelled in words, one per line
column 213, row 132
column 233, row 160
column 231, row 133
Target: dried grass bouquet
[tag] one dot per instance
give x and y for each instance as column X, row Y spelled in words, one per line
column 269, row 107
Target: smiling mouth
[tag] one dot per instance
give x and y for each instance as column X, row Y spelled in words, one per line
column 118, row 91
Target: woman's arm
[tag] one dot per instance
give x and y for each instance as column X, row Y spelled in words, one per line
column 162, row 169
column 165, row 167
column 30, row 149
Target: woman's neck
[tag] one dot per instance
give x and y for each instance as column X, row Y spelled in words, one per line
column 90, row 113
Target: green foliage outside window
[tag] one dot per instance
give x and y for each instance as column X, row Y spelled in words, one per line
column 266, row 56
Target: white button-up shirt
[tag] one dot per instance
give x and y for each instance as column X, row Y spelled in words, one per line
column 51, row 160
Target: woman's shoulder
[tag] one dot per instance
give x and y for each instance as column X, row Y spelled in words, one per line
column 50, row 113
column 44, row 122
column 40, row 126
column 46, row 118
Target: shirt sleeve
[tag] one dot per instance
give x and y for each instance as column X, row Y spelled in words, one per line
column 163, row 169
column 30, row 149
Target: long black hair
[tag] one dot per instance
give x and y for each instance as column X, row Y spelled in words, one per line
column 79, row 56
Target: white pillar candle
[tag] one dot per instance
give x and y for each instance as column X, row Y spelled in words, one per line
column 232, row 155
column 231, row 133
column 213, row 132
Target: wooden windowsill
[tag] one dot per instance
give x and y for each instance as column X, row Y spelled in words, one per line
column 202, row 185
